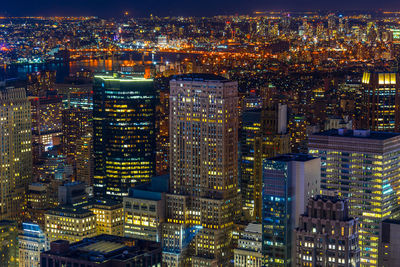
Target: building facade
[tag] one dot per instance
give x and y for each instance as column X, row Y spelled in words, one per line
column 124, row 133
column 381, row 101
column 288, row 181
column 389, row 243
column 202, row 204
column 326, row 235
column 16, row 154
column 362, row 165
column 249, row 250
column 32, row 241
column 69, row 223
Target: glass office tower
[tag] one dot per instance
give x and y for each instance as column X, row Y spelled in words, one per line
column 124, row 138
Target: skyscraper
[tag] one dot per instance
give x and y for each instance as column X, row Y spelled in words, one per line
column 202, row 204
column 84, row 159
column 363, row 166
column 381, row 101
column 326, row 234
column 288, row 181
column 16, row 154
column 124, row 133
column 8, row 243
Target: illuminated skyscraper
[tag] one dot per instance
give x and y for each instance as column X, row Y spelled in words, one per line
column 124, row 133
column 263, row 135
column 288, row 181
column 162, row 166
column 362, row 166
column 16, row 154
column 202, row 204
column 326, row 235
column 381, row 100
column 76, row 123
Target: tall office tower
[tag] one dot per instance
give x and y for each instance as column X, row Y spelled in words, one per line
column 16, row 154
column 8, row 243
column 32, row 241
column 248, row 252
column 84, row 159
column 263, row 135
column 389, row 243
column 381, row 98
column 288, row 181
column 326, row 235
column 124, row 133
column 162, row 138
column 202, row 204
column 362, row 166
column 76, row 123
column 46, row 122
column 38, row 83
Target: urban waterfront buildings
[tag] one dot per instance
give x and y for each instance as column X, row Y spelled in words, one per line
column 32, row 241
column 326, row 235
column 249, row 250
column 202, row 204
column 288, row 181
column 16, row 154
column 381, row 101
column 103, row 251
column 363, row 166
column 124, row 133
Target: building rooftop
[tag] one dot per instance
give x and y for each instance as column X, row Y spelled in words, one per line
column 254, row 228
column 364, row 134
column 293, row 157
column 103, row 248
column 198, row 77
column 391, row 221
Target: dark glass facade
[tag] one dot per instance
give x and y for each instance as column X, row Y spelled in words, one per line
column 124, row 133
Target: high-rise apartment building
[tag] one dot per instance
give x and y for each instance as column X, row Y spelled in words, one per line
column 326, row 235
column 249, row 250
column 124, row 133
column 363, row 166
column 381, row 101
column 32, row 241
column 16, row 154
column 8, row 243
column 288, row 181
column 202, row 205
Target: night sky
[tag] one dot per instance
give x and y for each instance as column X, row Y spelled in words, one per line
column 113, row 8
